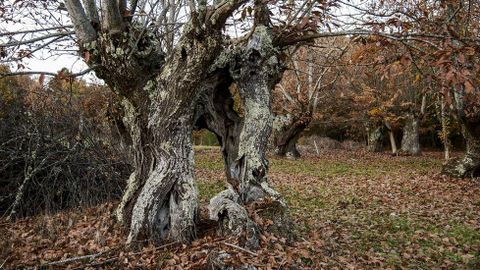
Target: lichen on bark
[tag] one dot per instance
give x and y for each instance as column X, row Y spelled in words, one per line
column 469, row 164
column 411, row 138
column 254, row 69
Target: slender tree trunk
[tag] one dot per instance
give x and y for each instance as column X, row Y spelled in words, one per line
column 393, row 144
column 391, row 136
column 374, row 134
column 411, row 137
column 445, row 130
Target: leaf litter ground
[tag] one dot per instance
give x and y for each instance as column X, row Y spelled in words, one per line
column 352, row 210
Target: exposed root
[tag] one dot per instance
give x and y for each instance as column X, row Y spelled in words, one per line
column 233, row 219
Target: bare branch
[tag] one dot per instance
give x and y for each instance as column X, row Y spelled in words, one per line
column 60, row 38
column 288, row 41
column 133, row 6
column 91, row 11
column 81, row 23
column 23, row 73
column 224, row 10
column 112, row 20
column 202, row 9
column 35, row 30
column 28, row 41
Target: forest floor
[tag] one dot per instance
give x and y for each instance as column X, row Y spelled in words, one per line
column 352, row 210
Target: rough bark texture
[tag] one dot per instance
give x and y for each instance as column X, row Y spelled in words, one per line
column 159, row 98
column 411, row 137
column 287, row 131
column 374, row 134
column 215, row 112
column 170, row 193
column 255, row 70
column 166, row 204
column 469, row 164
column 234, row 219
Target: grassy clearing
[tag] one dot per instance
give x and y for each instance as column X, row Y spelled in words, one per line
column 375, row 211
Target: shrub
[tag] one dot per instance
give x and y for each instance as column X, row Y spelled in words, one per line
column 55, row 154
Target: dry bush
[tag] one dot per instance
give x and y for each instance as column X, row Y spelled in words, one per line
column 54, row 153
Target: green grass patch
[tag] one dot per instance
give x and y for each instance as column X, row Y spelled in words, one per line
column 369, row 206
column 208, row 189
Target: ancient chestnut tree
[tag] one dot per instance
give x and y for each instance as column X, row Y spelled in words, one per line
column 172, row 64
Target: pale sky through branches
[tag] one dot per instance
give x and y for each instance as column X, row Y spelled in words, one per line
column 63, row 53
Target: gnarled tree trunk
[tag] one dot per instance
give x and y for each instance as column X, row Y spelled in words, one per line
column 287, row 131
column 158, row 98
column 411, row 136
column 469, row 164
column 374, row 134
column 469, row 118
column 255, row 71
column 165, row 204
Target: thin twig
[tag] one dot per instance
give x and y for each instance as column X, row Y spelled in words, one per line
column 74, row 259
column 1, row 266
column 23, row 73
column 240, row 248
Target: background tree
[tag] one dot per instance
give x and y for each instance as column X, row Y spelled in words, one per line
column 296, row 98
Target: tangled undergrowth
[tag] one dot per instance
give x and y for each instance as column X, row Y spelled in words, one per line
column 59, row 146
column 352, row 210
